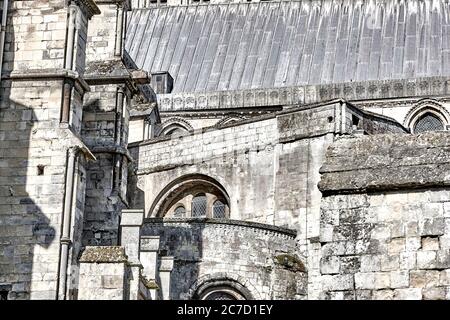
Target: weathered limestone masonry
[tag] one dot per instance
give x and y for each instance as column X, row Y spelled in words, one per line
column 42, row 157
column 385, row 224
column 104, row 274
column 105, row 122
column 260, row 163
column 240, row 156
column 209, row 253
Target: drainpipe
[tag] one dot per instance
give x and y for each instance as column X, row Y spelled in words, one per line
column 119, row 30
column 70, row 37
column 120, row 96
column 67, row 216
column 67, row 95
column 3, row 34
column 68, row 62
column 119, row 114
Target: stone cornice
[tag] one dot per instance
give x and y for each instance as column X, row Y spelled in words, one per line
column 91, row 6
column 261, row 227
column 351, row 91
column 104, row 254
column 49, row 74
column 120, row 3
column 112, row 149
column 367, row 163
column 268, row 116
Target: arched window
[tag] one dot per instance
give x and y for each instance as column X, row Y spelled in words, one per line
column 199, row 205
column 198, row 196
column 428, row 122
column 220, row 295
column 179, row 212
column 219, row 209
column 175, row 132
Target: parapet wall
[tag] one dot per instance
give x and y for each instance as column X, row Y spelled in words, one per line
column 259, row 257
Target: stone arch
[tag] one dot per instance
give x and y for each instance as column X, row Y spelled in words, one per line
column 221, row 281
column 173, row 123
column 229, row 119
column 167, row 194
column 423, row 107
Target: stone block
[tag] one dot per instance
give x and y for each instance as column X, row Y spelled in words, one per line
column 132, row 217
column 370, row 263
column 337, row 282
column 444, row 278
column 426, row 259
column 390, row 262
column 424, row 278
column 408, row 260
column 385, row 294
column 396, row 246
column 408, row 294
column 112, row 281
column 438, row 293
column 382, row 280
column 430, row 243
column 432, row 227
column 330, row 265
column 365, row 280
column 413, row 243
column 399, row 279
column 150, row 243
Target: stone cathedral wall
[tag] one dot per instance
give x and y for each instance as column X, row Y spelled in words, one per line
column 385, row 226
column 261, row 258
column 34, row 145
column 268, row 166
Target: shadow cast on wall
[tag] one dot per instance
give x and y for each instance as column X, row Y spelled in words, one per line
column 24, row 227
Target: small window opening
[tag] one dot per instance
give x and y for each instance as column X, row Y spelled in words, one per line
column 40, row 170
column 219, row 209
column 3, row 295
column 199, row 206
column 179, row 212
column 355, row 122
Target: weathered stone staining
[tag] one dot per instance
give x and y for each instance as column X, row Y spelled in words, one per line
column 261, row 150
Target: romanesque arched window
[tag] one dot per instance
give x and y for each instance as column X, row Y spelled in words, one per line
column 199, row 205
column 219, row 209
column 428, row 122
column 179, row 212
column 175, row 132
column 193, row 196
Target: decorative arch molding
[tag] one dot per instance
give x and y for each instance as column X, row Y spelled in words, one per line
column 172, row 123
column 426, row 106
column 173, row 188
column 226, row 282
column 229, row 119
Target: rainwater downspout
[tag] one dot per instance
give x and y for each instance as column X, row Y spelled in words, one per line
column 68, row 63
column 66, row 219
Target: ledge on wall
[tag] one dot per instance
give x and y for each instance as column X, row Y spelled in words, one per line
column 104, row 254
column 212, row 221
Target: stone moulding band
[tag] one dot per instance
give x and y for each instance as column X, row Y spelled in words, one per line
column 58, row 74
column 113, row 150
column 91, row 6
column 225, row 223
column 307, row 94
